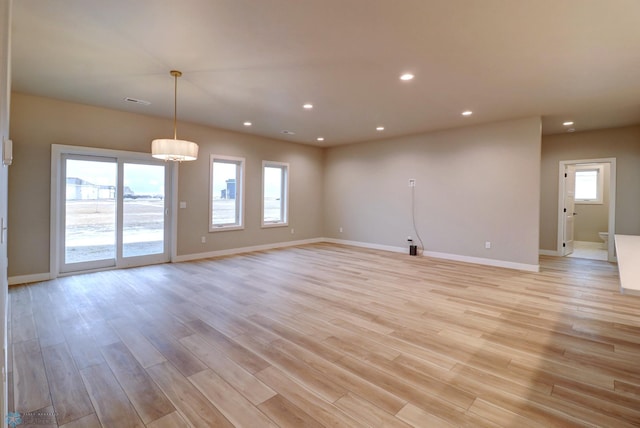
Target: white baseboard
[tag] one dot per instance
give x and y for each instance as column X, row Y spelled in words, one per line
column 548, row 253
column 445, row 256
column 365, row 245
column 232, row 251
column 483, row 261
column 25, row 279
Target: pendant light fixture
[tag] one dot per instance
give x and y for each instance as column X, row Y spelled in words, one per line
column 174, row 149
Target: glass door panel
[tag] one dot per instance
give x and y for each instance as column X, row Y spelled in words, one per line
column 143, row 221
column 113, row 212
column 89, row 213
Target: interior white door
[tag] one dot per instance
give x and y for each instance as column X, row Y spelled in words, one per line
column 569, row 208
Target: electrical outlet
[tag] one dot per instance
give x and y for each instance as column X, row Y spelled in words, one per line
column 340, row 229
column 293, row 231
column 203, row 239
column 487, row 245
column 412, row 182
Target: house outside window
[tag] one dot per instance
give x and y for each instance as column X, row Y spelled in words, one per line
column 275, row 194
column 227, row 193
column 589, row 184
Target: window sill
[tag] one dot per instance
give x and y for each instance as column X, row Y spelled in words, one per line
column 270, row 225
column 224, row 228
column 589, row 202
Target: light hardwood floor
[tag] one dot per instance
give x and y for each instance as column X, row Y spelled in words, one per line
column 326, row 335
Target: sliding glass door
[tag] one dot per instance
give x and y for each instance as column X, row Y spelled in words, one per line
column 143, row 210
column 89, row 212
column 113, row 212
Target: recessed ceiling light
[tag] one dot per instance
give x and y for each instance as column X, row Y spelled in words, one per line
column 569, row 123
column 320, row 138
column 407, row 76
column 308, row 106
column 380, row 128
column 287, row 132
column 247, row 124
column 467, row 113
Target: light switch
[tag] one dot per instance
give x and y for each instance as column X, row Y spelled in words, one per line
column 183, row 204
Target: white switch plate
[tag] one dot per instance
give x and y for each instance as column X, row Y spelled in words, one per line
column 487, row 245
column 183, row 204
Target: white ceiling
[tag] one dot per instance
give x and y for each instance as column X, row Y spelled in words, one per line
column 261, row 60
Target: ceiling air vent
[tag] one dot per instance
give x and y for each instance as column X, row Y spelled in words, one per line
column 287, row 132
column 137, row 101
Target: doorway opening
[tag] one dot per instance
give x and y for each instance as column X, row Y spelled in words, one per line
column 586, row 208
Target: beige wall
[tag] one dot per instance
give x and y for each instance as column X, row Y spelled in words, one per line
column 593, row 218
column 620, row 143
column 36, row 123
column 473, row 184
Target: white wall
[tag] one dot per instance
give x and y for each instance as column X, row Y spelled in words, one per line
column 474, row 184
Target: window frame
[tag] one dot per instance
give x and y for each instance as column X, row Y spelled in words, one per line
column 240, row 179
column 599, row 199
column 284, row 200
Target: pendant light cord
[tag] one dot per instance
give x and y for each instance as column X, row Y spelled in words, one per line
column 175, row 74
column 175, row 105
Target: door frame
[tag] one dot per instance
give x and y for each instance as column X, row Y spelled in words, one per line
column 612, row 202
column 57, row 151
column 568, row 176
column 5, row 104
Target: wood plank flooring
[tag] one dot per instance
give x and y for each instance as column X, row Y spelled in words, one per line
column 327, row 335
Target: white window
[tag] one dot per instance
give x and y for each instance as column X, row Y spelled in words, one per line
column 589, row 183
column 227, row 193
column 275, row 193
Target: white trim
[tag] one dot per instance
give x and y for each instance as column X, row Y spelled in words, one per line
column 5, row 113
column 483, row 261
column 367, row 245
column 284, row 188
column 173, row 249
column 242, row 164
column 548, row 253
column 25, row 279
column 612, row 211
column 241, row 250
column 54, row 210
column 612, row 201
column 446, row 256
